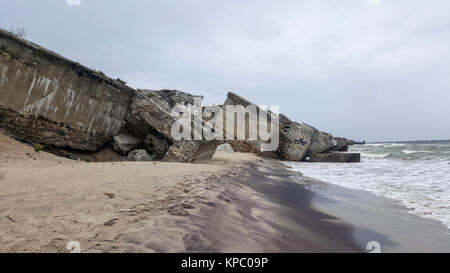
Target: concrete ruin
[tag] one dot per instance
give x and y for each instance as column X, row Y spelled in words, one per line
column 150, row 117
column 50, row 100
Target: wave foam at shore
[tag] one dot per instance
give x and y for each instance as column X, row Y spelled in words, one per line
column 415, row 174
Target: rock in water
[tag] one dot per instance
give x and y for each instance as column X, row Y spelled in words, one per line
column 139, row 155
column 46, row 98
column 157, row 144
column 150, row 117
column 189, row 151
column 323, row 142
column 125, row 142
column 242, row 146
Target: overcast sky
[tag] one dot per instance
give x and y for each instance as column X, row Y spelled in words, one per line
column 354, row 69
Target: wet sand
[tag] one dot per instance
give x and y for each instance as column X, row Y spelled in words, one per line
column 230, row 204
column 380, row 219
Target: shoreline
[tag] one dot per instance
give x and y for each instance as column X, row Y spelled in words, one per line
column 380, row 219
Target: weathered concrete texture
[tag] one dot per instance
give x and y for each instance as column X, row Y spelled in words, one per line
column 242, row 146
column 125, row 142
column 342, row 144
column 335, row 157
column 323, row 142
column 157, row 144
column 49, row 99
column 295, row 140
column 225, row 148
column 150, row 117
column 140, row 155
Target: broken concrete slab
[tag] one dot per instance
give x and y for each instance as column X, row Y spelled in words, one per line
column 341, row 157
column 342, row 144
column 125, row 142
column 157, row 144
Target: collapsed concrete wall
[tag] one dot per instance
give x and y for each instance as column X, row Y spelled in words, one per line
column 294, row 138
column 49, row 99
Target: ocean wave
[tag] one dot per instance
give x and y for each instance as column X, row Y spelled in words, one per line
column 375, row 144
column 390, row 145
column 413, row 152
column 376, row 155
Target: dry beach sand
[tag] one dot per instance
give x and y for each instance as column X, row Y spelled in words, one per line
column 235, row 203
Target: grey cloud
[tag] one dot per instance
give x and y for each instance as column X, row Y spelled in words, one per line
column 365, row 72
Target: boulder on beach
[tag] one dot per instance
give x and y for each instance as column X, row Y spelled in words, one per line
column 242, row 146
column 190, row 151
column 295, row 140
column 46, row 98
column 225, row 148
column 139, row 155
column 323, row 142
column 342, row 144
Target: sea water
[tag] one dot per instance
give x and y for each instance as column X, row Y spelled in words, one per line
column 417, row 174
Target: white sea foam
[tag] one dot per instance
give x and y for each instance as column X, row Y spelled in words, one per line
column 414, row 152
